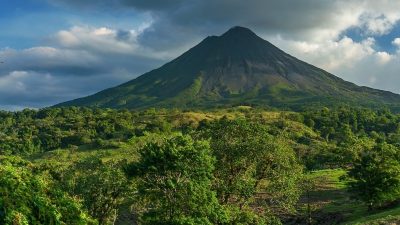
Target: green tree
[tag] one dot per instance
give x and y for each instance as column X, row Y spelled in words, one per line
column 175, row 183
column 102, row 187
column 30, row 198
column 377, row 176
column 251, row 162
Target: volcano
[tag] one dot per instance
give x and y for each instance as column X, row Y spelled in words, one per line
column 236, row 68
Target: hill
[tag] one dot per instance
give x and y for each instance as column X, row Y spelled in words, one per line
column 236, row 68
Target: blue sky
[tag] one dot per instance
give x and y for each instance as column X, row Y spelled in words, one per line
column 383, row 41
column 28, row 23
column 18, row 17
column 58, row 50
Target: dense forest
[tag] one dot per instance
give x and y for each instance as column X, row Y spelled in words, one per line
column 240, row 165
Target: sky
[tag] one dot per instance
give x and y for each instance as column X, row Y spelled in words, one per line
column 58, row 50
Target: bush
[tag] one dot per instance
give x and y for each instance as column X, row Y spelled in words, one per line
column 377, row 176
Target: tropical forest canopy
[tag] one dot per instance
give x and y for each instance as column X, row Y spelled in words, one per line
column 240, row 165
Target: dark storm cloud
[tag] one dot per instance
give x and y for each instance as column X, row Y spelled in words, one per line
column 190, row 21
column 139, row 4
column 154, row 4
column 276, row 15
column 177, row 21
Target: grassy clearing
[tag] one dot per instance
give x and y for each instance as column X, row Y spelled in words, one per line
column 331, row 203
column 326, row 201
column 391, row 216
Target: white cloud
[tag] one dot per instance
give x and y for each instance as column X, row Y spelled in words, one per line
column 329, row 54
column 396, row 42
column 106, row 40
column 383, row 57
column 67, row 39
column 97, row 39
column 27, row 88
column 371, row 72
column 377, row 24
column 12, row 82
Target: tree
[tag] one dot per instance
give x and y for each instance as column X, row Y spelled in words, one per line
column 377, row 176
column 102, row 187
column 30, row 198
column 175, row 182
column 253, row 166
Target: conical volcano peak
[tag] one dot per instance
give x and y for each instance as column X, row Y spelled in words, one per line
column 245, row 40
column 236, row 45
column 235, row 68
column 239, row 32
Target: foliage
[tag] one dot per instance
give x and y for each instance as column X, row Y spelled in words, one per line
column 343, row 124
column 29, row 131
column 175, row 183
column 252, row 154
column 252, row 166
column 27, row 197
column 348, row 131
column 102, row 187
column 377, row 176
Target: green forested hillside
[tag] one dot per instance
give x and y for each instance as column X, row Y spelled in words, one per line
column 240, row 165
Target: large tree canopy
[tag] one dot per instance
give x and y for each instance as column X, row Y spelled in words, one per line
column 175, row 183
